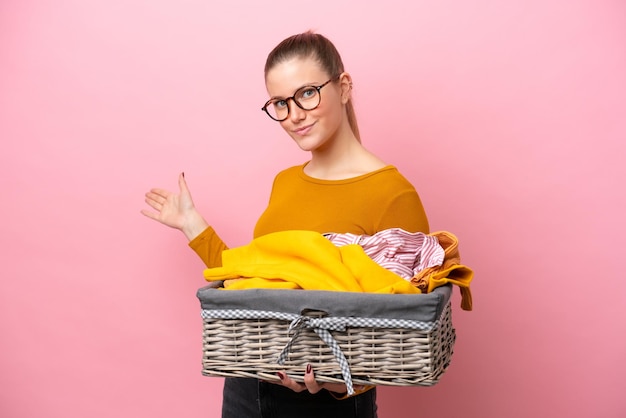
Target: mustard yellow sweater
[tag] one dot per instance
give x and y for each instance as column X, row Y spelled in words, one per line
column 365, row 205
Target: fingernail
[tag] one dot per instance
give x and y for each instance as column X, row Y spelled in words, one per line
column 280, row 375
column 183, row 174
column 308, row 368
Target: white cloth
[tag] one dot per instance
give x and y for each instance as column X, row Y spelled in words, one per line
column 404, row 253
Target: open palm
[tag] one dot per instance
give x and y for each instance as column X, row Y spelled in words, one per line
column 175, row 210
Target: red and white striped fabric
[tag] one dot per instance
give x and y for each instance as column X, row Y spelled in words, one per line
column 404, row 253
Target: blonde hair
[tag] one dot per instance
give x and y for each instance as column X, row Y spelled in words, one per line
column 315, row 46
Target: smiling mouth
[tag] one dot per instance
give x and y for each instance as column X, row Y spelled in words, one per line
column 303, row 129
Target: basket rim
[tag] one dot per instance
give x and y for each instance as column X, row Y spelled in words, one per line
column 426, row 307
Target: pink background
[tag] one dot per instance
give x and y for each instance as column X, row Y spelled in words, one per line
column 509, row 117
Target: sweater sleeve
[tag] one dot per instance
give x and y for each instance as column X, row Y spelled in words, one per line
column 209, row 246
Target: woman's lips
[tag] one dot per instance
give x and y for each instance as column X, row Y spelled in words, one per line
column 303, row 130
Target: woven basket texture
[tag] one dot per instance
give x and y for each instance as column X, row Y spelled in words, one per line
column 377, row 356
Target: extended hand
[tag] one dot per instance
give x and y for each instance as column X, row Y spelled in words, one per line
column 175, row 210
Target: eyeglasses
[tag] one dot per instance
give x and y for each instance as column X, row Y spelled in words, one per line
column 306, row 98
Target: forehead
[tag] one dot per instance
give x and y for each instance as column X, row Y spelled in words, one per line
column 288, row 76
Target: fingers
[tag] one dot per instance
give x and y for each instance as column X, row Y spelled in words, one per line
column 149, row 214
column 156, row 199
column 310, row 382
column 314, row 386
column 167, row 207
column 158, row 195
column 290, row 383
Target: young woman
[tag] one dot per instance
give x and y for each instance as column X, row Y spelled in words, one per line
column 343, row 188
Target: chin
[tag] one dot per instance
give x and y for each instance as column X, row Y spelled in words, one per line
column 308, row 143
column 306, row 147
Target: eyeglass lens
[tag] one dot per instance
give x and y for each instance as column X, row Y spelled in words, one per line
column 307, row 98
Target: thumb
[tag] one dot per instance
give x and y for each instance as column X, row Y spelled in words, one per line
column 184, row 190
column 182, row 184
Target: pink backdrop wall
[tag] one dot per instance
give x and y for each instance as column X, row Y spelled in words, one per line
column 509, row 117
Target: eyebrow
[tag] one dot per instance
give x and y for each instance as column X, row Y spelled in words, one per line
column 304, row 85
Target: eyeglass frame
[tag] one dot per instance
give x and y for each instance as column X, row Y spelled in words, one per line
column 293, row 99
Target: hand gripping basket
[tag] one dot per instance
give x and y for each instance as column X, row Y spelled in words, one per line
column 356, row 338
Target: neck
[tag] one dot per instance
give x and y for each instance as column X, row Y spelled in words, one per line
column 343, row 157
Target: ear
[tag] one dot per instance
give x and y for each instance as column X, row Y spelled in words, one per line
column 345, row 83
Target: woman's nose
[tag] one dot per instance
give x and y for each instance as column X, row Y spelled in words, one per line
column 295, row 112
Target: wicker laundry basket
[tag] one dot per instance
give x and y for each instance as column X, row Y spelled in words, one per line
column 356, row 338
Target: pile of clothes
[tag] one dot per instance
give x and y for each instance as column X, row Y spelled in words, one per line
column 390, row 261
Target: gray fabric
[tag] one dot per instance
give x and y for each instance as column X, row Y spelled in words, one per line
column 423, row 307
